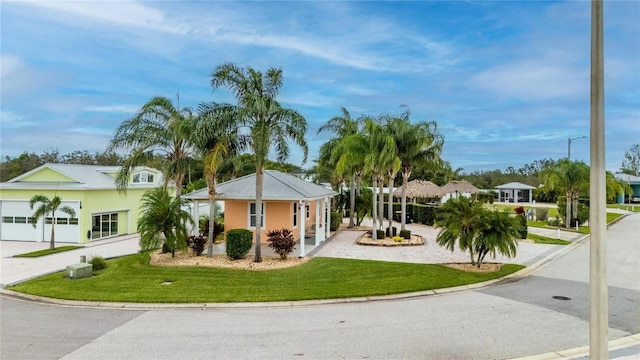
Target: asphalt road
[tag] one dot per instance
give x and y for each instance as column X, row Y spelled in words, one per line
column 502, row 321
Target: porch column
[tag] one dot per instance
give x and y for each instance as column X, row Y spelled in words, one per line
column 327, row 202
column 319, row 227
column 302, row 214
column 196, row 218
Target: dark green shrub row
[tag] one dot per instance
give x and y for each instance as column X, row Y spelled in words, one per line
column 281, row 241
column 523, row 227
column 486, row 197
column 98, row 263
column 418, row 213
column 239, row 243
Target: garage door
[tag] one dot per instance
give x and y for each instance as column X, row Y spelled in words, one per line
column 16, row 223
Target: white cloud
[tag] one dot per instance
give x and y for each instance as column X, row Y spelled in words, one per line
column 9, row 64
column 128, row 109
column 127, row 13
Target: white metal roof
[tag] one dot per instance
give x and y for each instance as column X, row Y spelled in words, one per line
column 516, row 186
column 276, row 186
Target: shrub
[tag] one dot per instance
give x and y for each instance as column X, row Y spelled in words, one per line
column 542, row 214
column 98, row 263
column 519, row 210
column 486, row 198
column 197, row 244
column 218, row 228
column 391, row 232
column 554, row 221
column 336, row 220
column 239, row 243
column 380, row 234
column 406, row 234
column 398, row 238
column 523, row 227
column 281, row 241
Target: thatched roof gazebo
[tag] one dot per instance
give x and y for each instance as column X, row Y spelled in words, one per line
column 460, row 187
column 420, row 189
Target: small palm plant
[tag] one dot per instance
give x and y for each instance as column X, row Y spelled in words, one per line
column 163, row 221
column 47, row 208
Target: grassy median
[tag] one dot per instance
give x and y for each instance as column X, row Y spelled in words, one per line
column 132, row 279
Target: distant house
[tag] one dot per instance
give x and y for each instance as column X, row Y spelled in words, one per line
column 634, row 183
column 456, row 188
column 515, row 192
column 101, row 211
column 287, row 201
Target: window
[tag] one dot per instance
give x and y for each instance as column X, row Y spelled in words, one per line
column 73, row 221
column 308, row 209
column 48, row 221
column 62, row 221
column 142, row 178
column 21, row 220
column 252, row 215
column 7, row 219
column 295, row 214
column 104, row 225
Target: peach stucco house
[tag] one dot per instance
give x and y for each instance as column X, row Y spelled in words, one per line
column 288, row 202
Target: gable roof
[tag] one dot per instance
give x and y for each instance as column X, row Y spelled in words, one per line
column 516, row 186
column 632, row 179
column 276, row 186
column 79, row 177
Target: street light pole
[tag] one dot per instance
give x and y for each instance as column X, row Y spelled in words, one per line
column 569, row 140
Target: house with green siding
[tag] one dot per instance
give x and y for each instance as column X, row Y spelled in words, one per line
column 101, row 211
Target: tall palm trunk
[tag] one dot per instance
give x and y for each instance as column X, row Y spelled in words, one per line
column 259, row 180
column 381, row 202
column 52, row 244
column 212, row 214
column 374, row 212
column 390, row 206
column 352, row 200
column 403, row 201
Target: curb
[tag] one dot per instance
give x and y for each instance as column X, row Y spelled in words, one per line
column 580, row 352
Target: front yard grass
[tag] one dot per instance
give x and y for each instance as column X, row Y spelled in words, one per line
column 48, row 252
column 539, row 239
column 132, row 279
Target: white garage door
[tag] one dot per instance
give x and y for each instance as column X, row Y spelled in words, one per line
column 16, row 223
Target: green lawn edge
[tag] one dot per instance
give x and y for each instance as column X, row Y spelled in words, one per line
column 132, row 279
column 539, row 239
column 46, row 252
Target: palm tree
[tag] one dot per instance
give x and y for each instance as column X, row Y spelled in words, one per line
column 163, row 220
column 461, row 220
column 348, row 159
column 47, row 208
column 216, row 139
column 572, row 177
column 414, row 142
column 268, row 122
column 159, row 131
column 382, row 152
column 498, row 233
column 343, row 127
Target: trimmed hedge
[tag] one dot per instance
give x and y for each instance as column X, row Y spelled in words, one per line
column 239, row 243
column 418, row 213
column 336, row 220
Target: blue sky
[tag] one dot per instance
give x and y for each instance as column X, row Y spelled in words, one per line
column 507, row 82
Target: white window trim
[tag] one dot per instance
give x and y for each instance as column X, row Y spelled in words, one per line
column 264, row 215
column 144, row 177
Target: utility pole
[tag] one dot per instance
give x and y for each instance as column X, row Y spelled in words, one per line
column 598, row 292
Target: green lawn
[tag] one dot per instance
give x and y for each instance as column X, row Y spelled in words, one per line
column 132, row 279
column 552, row 211
column 539, row 239
column 581, row 229
column 628, row 207
column 48, row 252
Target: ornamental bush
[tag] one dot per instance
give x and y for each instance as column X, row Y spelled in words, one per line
column 98, row 263
column 239, row 243
column 281, row 241
column 523, row 227
column 197, row 244
column 336, row 220
column 519, row 210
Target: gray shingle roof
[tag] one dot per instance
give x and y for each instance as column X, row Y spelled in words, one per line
column 276, row 186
